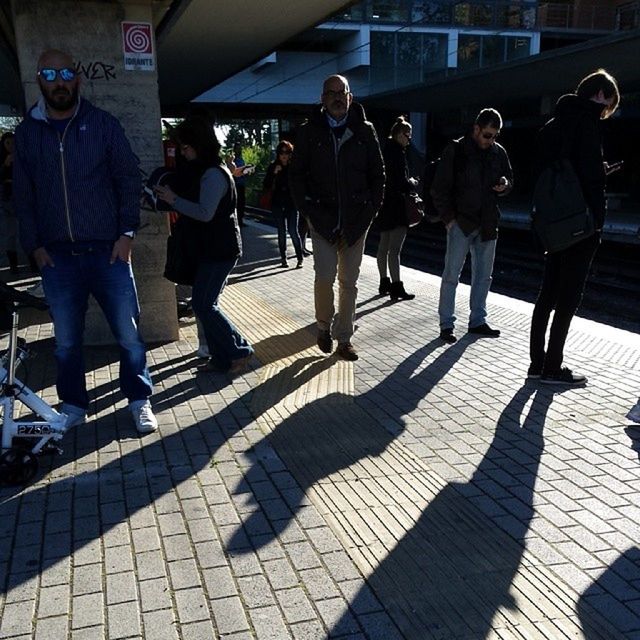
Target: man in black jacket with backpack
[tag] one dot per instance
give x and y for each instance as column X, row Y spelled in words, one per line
column 576, row 128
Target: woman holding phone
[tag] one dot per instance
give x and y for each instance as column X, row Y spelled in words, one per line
column 205, row 197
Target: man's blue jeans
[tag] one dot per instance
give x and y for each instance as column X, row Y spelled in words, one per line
column 78, row 272
column 482, row 255
column 225, row 341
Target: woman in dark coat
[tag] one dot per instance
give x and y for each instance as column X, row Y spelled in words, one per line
column 282, row 206
column 205, row 197
column 392, row 217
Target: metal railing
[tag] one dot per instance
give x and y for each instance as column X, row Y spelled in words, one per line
column 495, row 14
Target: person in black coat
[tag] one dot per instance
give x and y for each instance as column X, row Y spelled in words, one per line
column 284, row 210
column 337, row 183
column 577, row 116
column 392, row 218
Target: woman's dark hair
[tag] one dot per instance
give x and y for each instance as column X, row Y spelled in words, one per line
column 283, row 145
column 399, row 126
column 198, row 133
column 594, row 83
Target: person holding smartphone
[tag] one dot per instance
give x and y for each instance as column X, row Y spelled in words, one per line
column 473, row 172
column 206, row 200
column 578, row 116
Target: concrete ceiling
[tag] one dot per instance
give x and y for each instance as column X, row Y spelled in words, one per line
column 203, row 42
column 200, row 42
column 548, row 74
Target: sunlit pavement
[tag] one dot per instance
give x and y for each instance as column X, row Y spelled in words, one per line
column 424, row 491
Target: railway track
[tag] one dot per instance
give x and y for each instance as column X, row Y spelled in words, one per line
column 612, row 290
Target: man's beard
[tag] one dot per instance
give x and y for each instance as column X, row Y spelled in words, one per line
column 60, row 99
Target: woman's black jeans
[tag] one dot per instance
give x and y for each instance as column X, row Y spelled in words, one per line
column 287, row 217
column 565, row 274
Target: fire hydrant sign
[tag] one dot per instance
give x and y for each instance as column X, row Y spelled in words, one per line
column 137, row 46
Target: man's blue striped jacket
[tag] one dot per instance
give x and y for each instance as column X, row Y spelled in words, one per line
column 83, row 185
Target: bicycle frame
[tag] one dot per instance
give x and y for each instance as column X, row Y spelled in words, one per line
column 51, row 427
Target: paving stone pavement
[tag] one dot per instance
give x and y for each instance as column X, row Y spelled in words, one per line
column 425, row 491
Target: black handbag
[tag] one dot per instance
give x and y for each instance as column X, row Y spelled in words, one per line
column 414, row 208
column 181, row 266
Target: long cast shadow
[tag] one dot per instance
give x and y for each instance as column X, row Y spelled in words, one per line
column 450, row 574
column 326, row 436
column 43, row 525
column 597, row 602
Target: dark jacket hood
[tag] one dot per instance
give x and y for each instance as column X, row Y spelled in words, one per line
column 571, row 105
column 39, row 110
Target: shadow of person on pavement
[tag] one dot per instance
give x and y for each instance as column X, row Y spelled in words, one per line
column 449, row 574
column 71, row 509
column 334, row 432
column 602, row 614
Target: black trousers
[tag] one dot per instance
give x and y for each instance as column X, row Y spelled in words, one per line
column 565, row 274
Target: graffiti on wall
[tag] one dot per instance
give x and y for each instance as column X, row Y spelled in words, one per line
column 96, row 70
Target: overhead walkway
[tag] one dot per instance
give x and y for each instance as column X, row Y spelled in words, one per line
column 425, row 491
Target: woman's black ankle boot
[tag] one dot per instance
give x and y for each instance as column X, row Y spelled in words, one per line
column 385, row 286
column 397, row 292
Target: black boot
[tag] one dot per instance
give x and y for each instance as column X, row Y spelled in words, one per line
column 12, row 257
column 385, row 286
column 397, row 292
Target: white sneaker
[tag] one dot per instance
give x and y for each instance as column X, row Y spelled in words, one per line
column 634, row 414
column 143, row 417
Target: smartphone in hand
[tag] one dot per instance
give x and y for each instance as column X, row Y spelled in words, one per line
column 614, row 166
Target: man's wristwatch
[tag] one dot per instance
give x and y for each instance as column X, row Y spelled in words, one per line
column 129, row 234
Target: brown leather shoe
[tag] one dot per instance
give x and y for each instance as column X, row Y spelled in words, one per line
column 325, row 343
column 346, row 351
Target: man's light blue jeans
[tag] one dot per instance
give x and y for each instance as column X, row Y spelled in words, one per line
column 482, row 256
column 81, row 270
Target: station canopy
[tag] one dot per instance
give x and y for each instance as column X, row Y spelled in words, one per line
column 200, row 42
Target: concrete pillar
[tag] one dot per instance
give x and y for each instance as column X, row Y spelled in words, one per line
column 91, row 32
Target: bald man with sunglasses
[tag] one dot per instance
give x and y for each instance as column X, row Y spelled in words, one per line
column 474, row 171
column 76, row 189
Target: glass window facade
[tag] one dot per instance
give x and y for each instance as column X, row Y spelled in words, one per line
column 498, row 14
column 475, row 51
column 405, row 58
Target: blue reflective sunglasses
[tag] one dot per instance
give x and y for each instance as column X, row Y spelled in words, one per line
column 66, row 74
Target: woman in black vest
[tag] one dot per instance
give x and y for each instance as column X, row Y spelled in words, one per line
column 205, row 196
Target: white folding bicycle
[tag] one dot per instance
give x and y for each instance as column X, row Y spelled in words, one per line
column 23, row 440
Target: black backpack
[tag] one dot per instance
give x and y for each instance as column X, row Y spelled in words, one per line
column 560, row 216
column 430, row 212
